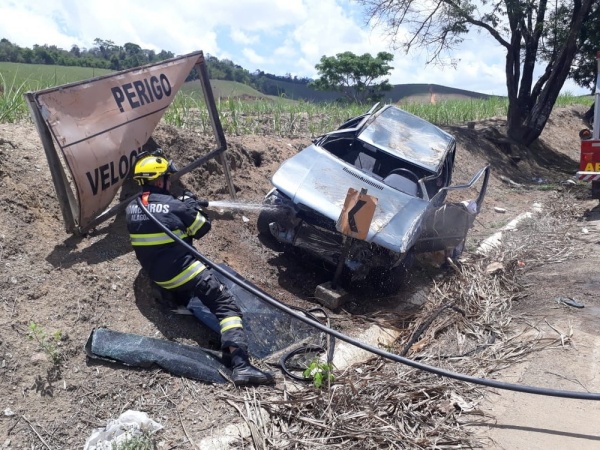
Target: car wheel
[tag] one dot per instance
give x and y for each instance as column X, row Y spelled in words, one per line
column 269, row 215
column 272, row 211
column 265, row 217
column 389, row 281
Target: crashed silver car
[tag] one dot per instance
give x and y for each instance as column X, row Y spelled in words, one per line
column 403, row 161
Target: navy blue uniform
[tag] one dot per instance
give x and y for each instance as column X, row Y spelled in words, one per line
column 170, row 265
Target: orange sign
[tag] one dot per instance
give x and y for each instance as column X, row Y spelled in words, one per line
column 357, row 214
column 101, row 124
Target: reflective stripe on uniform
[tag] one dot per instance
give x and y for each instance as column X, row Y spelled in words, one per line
column 196, row 225
column 186, row 275
column 155, row 238
column 230, row 322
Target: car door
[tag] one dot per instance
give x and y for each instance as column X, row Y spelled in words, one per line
column 445, row 224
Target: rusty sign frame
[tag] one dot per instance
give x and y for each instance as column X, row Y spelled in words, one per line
column 67, row 198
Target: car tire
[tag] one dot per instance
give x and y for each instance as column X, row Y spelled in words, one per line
column 390, row 281
column 263, row 221
column 273, row 211
column 267, row 216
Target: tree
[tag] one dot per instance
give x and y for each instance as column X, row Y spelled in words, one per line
column 354, row 76
column 105, row 55
column 517, row 25
column 584, row 66
column 75, row 51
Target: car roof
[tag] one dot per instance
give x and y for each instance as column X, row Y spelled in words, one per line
column 408, row 137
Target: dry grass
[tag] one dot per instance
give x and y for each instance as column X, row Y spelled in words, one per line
column 465, row 326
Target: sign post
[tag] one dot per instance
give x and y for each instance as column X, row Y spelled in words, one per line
column 354, row 223
column 100, row 126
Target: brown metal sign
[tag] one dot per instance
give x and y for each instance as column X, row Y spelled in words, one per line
column 357, row 214
column 101, row 124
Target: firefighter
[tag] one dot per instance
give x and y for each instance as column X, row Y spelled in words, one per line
column 174, row 268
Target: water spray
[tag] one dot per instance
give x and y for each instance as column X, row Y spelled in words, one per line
column 242, row 206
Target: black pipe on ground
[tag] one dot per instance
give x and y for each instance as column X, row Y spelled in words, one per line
column 376, row 351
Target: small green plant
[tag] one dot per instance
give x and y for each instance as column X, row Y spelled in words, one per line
column 49, row 344
column 319, row 372
column 12, row 103
column 498, row 223
column 144, row 442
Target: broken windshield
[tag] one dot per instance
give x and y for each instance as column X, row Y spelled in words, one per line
column 408, row 137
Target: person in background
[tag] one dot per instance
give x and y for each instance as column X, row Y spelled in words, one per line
column 173, row 267
column 589, row 115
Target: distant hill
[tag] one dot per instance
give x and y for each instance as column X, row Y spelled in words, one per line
column 430, row 93
column 42, row 75
column 225, row 89
column 298, row 91
column 416, row 92
column 50, row 65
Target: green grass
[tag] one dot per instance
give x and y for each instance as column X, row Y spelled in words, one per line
column 12, row 103
column 40, row 76
column 224, row 89
column 17, row 79
column 498, row 223
column 243, row 110
column 144, row 442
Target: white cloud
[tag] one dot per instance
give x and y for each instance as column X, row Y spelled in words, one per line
column 252, row 56
column 21, row 26
column 337, row 34
column 276, row 36
column 286, row 50
column 242, row 38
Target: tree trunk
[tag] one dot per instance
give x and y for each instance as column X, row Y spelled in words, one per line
column 525, row 124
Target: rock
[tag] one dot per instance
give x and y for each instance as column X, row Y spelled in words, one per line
column 38, row 357
column 495, row 267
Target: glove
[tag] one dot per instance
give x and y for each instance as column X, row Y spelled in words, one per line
column 192, row 201
column 187, row 195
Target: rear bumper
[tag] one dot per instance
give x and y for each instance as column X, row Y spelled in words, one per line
column 588, row 176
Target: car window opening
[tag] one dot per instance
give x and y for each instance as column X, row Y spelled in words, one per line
column 378, row 164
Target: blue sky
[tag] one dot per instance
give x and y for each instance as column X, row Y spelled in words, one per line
column 276, row 36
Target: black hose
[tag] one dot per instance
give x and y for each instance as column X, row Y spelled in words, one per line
column 421, row 329
column 376, row 351
column 310, row 348
column 330, row 344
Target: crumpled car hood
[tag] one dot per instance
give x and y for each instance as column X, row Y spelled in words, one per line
column 320, row 181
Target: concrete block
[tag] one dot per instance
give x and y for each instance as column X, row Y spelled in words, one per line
column 347, row 354
column 329, row 297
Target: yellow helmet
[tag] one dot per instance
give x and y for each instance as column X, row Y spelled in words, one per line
column 151, row 167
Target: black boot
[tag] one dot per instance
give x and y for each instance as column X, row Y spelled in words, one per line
column 244, row 373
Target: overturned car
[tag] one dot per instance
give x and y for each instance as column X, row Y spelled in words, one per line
column 403, row 161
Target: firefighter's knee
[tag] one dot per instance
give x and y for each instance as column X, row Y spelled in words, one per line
column 209, row 286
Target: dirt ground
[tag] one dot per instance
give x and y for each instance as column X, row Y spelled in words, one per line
column 71, row 285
